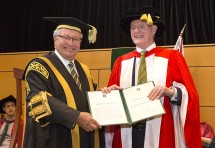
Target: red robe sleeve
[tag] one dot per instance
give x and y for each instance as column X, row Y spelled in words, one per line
column 180, row 73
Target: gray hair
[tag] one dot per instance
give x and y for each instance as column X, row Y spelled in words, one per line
column 58, row 31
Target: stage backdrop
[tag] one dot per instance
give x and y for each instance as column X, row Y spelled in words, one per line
column 22, row 27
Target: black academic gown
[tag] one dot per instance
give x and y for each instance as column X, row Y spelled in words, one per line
column 54, row 131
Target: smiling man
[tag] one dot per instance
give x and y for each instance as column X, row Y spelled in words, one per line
column 179, row 127
column 56, row 84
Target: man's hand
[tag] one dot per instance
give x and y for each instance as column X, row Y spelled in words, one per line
column 86, row 121
column 159, row 91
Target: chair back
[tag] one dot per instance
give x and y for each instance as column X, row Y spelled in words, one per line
column 18, row 76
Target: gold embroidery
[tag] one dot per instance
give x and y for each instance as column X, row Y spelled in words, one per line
column 39, row 68
column 42, row 109
column 27, row 88
column 37, row 110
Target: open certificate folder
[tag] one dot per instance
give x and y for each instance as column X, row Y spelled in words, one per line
column 124, row 106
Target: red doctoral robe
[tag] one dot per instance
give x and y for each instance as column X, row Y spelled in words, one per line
column 179, row 127
column 20, row 135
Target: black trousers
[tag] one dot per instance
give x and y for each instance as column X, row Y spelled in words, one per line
column 138, row 135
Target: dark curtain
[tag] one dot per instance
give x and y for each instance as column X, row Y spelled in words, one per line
column 22, row 27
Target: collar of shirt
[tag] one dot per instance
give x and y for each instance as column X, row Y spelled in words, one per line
column 147, row 49
column 9, row 120
column 64, row 61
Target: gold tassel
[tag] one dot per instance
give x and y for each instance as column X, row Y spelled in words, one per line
column 92, row 35
column 149, row 21
column 146, row 18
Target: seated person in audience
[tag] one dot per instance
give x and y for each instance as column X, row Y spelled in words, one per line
column 8, row 107
column 207, row 134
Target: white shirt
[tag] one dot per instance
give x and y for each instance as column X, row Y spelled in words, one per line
column 65, row 62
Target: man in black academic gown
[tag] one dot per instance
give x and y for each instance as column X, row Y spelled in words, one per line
column 56, row 84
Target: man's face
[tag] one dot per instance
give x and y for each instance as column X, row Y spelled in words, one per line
column 9, row 108
column 142, row 34
column 68, row 43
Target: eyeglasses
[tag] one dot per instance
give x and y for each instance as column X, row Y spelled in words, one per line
column 68, row 39
column 138, row 27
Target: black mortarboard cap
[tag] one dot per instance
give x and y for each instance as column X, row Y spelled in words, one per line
column 4, row 100
column 74, row 24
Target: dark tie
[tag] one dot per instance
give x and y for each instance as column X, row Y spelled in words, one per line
column 5, row 131
column 142, row 74
column 74, row 74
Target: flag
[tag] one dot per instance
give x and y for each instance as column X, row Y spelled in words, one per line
column 179, row 43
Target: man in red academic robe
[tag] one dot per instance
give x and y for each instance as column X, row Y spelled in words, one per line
column 179, row 126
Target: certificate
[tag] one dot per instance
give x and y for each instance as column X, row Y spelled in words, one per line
column 124, row 106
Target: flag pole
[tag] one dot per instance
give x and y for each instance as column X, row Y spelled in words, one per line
column 182, row 31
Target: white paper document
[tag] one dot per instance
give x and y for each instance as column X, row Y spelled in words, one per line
column 124, row 107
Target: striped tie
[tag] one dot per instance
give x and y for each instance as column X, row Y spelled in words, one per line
column 5, row 131
column 74, row 74
column 142, row 75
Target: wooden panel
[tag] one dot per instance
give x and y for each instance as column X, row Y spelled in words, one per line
column 7, row 85
column 95, row 76
column 103, row 78
column 200, row 56
column 95, row 59
column 207, row 115
column 204, row 79
column 9, row 61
